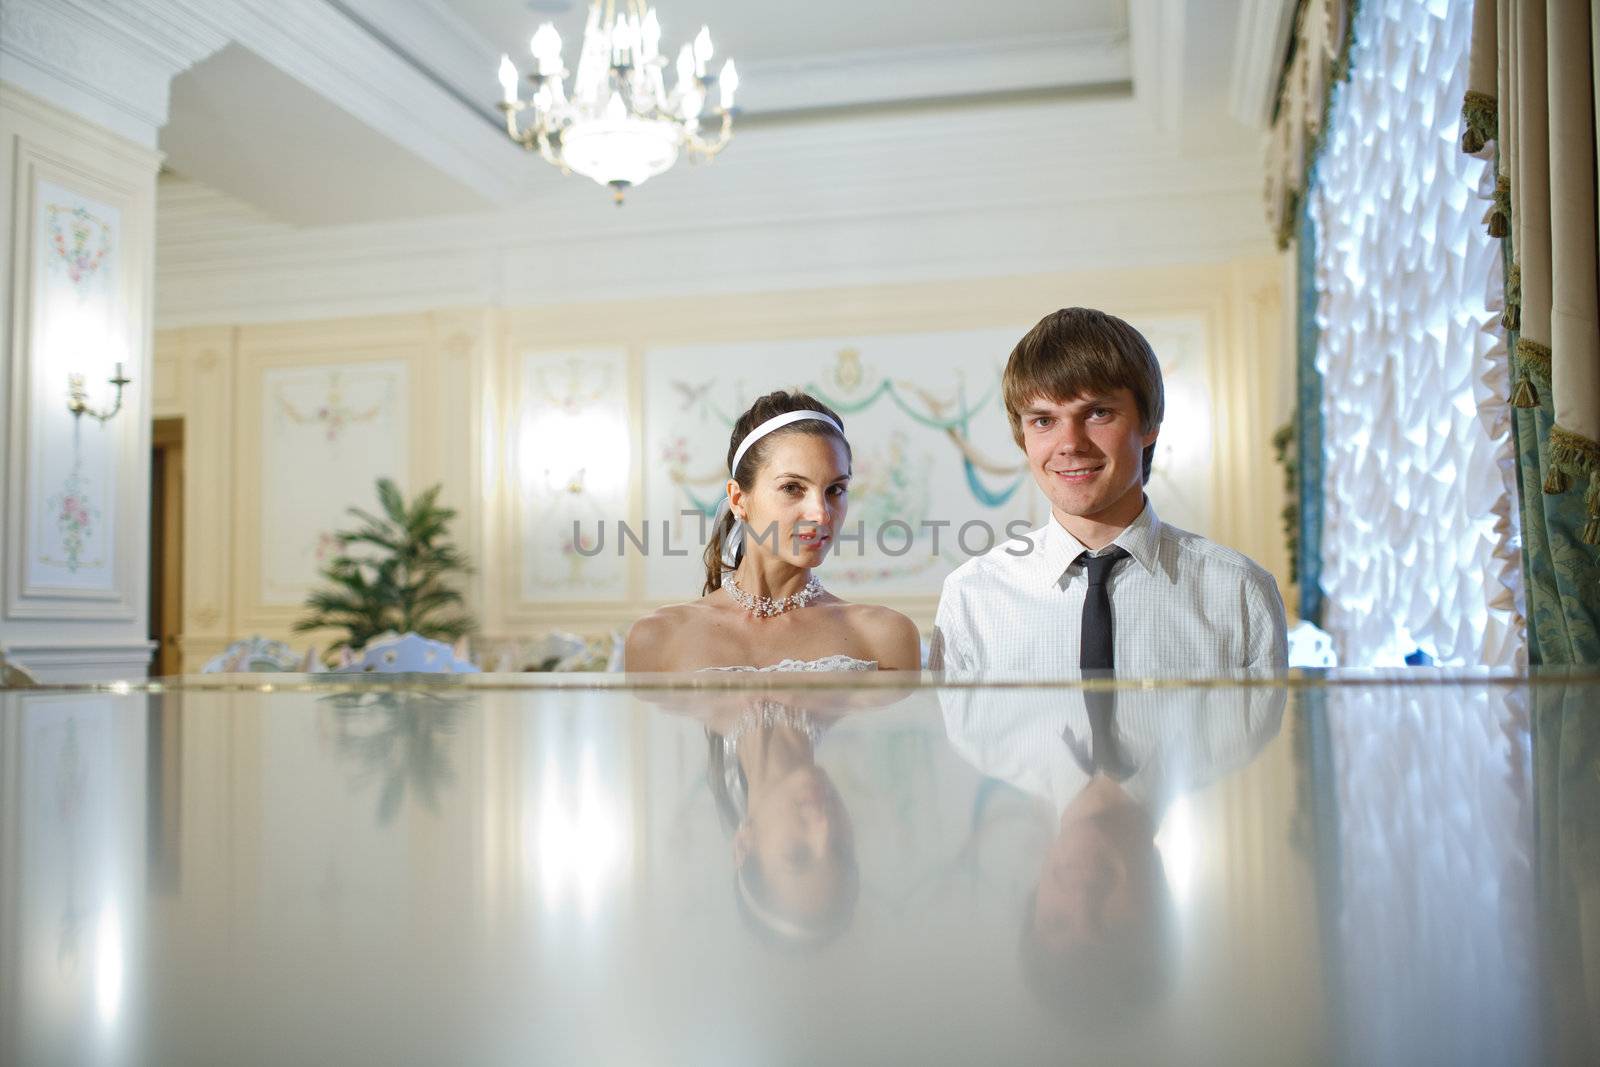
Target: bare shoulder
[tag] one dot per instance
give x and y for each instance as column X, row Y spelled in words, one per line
column 893, row 636
column 653, row 639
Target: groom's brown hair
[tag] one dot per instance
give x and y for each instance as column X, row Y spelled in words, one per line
column 1078, row 352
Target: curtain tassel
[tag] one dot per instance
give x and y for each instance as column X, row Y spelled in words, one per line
column 1558, row 481
column 1479, row 119
column 1511, row 317
column 1531, row 357
column 1499, row 217
column 1525, row 396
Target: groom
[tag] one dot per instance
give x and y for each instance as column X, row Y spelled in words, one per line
column 1104, row 583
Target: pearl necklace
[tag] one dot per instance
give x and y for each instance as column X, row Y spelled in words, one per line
column 764, row 607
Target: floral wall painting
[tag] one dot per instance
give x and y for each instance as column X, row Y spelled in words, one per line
column 328, row 434
column 932, row 448
column 76, row 327
column 935, row 466
column 573, row 471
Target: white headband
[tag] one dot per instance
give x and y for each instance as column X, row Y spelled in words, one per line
column 775, row 423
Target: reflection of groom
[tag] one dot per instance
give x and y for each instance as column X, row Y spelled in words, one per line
column 1104, row 582
column 1095, row 933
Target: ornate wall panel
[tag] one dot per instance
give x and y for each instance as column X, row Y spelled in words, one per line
column 571, row 474
column 329, row 433
column 72, row 477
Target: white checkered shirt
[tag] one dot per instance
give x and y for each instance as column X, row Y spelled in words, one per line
column 1181, row 606
column 1175, row 740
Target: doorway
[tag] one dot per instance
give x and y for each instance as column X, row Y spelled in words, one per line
column 166, row 546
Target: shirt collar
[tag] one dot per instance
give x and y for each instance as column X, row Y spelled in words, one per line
column 1140, row 539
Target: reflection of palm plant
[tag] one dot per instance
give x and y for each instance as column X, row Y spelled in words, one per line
column 401, row 585
column 397, row 738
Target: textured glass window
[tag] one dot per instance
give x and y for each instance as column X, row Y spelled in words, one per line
column 1419, row 543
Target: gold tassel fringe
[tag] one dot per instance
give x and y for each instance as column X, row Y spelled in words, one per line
column 1511, row 317
column 1534, row 359
column 1575, row 452
column 1500, row 214
column 1558, row 481
column 1479, row 120
column 1524, row 396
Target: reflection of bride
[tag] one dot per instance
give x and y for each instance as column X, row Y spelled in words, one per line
column 795, row 875
column 792, row 839
column 762, row 608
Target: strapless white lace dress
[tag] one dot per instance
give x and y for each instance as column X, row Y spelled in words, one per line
column 826, row 663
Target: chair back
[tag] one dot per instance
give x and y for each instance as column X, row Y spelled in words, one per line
column 407, row 653
column 258, row 655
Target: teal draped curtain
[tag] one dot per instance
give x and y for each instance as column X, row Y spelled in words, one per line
column 1561, row 574
column 1308, row 403
column 1530, row 96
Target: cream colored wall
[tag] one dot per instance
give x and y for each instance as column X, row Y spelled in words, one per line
column 464, row 364
column 72, row 633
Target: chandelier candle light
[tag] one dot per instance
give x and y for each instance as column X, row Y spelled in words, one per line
column 620, row 126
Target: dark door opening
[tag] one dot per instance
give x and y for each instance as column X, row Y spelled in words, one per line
column 166, row 546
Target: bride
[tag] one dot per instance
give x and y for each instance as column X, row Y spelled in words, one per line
column 762, row 608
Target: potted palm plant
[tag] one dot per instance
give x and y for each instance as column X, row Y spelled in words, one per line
column 397, row 579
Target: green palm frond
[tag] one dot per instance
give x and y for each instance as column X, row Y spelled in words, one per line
column 399, row 580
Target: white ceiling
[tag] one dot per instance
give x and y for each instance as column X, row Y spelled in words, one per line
column 241, row 125
column 379, row 110
column 760, row 32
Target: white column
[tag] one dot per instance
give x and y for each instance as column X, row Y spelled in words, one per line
column 81, row 102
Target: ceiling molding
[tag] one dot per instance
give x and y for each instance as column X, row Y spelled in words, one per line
column 790, row 210
column 110, row 64
column 446, row 42
column 1088, row 153
column 323, row 49
column 1157, row 29
column 1261, row 40
column 774, row 255
column 931, row 73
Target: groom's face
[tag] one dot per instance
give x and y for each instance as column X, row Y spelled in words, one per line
column 1087, row 454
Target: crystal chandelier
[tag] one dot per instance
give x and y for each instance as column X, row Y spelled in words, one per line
column 620, row 126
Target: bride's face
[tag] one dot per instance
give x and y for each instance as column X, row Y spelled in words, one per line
column 797, row 500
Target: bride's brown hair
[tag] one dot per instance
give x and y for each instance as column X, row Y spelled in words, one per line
column 770, row 406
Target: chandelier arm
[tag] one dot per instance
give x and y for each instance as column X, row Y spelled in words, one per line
column 705, row 149
column 548, row 151
column 511, row 110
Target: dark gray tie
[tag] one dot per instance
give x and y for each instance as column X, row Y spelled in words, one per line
column 1096, row 653
column 1094, row 640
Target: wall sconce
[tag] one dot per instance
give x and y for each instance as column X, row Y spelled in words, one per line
column 78, row 397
